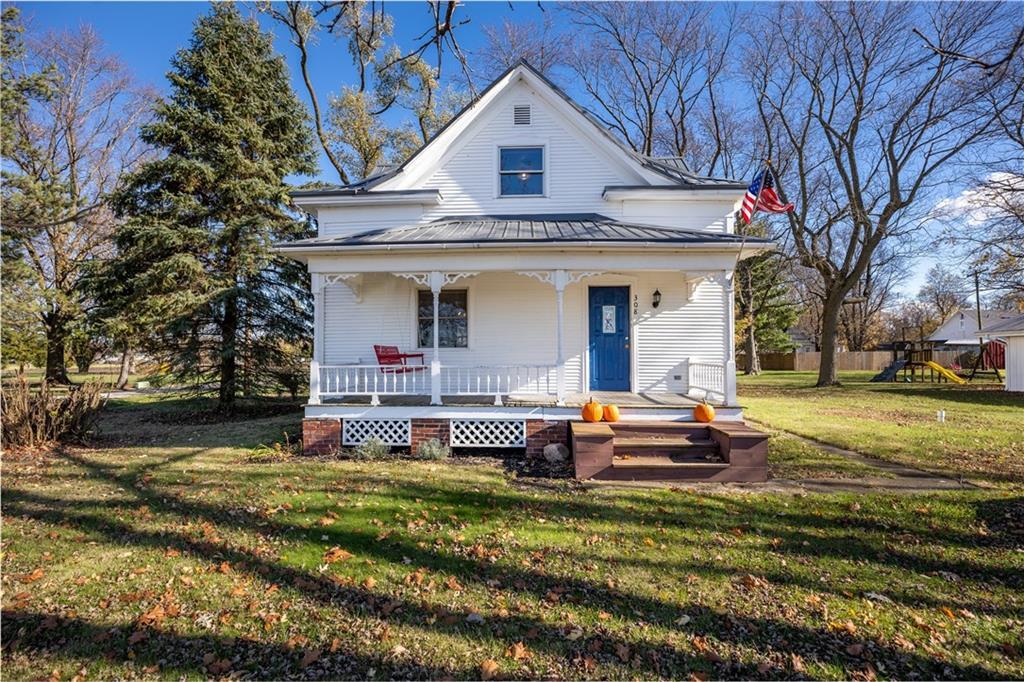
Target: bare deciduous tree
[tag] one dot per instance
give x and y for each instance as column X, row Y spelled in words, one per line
column 536, row 42
column 69, row 150
column 863, row 123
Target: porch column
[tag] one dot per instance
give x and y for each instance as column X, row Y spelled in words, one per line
column 728, row 294
column 560, row 280
column 317, row 284
column 436, row 281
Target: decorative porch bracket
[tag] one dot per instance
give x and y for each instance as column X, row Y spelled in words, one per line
column 692, row 280
column 436, row 281
column 559, row 279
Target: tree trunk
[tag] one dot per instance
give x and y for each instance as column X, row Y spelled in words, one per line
column 56, row 345
column 228, row 359
column 126, row 368
column 82, row 364
column 827, row 374
column 753, row 363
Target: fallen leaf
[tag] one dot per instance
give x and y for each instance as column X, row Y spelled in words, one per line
column 622, row 651
column 335, row 554
column 32, row 577
column 518, row 652
column 309, row 658
column 574, row 633
column 855, row 649
column 488, row 669
column 369, row 583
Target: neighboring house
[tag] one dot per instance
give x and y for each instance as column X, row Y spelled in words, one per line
column 528, row 260
column 960, row 330
column 801, row 340
column 1011, row 331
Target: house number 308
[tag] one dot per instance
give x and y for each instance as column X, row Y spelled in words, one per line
column 636, row 305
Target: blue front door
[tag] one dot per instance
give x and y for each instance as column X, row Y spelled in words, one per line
column 609, row 338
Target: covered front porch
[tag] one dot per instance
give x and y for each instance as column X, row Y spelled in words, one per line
column 523, row 338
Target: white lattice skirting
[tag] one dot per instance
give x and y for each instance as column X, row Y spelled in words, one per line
column 388, row 431
column 488, row 433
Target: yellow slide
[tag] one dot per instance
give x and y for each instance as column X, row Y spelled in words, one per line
column 945, row 372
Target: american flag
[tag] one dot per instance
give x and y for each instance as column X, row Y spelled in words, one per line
column 765, row 197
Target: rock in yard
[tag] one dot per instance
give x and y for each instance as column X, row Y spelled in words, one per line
column 556, row 453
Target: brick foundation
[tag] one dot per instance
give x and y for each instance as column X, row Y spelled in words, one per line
column 426, row 429
column 540, row 433
column 321, row 436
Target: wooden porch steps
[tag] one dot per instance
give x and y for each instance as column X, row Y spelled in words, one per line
column 651, row 451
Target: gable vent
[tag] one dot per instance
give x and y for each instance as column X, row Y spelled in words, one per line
column 521, row 115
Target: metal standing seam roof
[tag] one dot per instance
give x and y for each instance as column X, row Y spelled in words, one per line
column 554, row 228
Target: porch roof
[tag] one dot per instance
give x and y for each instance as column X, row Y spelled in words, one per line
column 565, row 228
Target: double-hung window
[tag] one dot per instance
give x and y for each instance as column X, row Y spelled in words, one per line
column 452, row 319
column 521, row 171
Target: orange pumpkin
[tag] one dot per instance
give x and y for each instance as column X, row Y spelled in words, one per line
column 611, row 413
column 704, row 412
column 592, row 411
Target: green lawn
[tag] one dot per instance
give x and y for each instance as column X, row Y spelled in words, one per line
column 982, row 438
column 167, row 549
column 98, row 372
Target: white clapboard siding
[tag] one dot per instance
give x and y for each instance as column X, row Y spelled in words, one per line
column 575, row 173
column 687, row 215
column 341, row 221
column 512, row 323
column 1015, row 363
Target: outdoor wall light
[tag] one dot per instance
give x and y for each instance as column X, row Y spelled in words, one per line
column 656, row 299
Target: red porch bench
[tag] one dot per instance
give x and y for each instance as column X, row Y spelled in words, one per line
column 394, row 362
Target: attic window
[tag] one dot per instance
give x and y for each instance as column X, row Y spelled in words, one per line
column 521, row 171
column 521, row 115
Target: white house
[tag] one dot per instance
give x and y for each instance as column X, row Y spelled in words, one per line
column 960, row 330
column 528, row 260
column 1011, row 330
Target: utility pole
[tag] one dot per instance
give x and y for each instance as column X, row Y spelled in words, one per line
column 981, row 340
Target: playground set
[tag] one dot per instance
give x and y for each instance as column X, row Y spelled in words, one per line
column 913, row 361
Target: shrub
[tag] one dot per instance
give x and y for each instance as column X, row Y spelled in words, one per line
column 371, row 448
column 433, row 449
column 33, row 418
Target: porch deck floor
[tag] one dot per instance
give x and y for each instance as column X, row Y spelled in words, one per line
column 620, row 398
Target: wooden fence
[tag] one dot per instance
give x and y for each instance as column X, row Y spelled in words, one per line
column 868, row 360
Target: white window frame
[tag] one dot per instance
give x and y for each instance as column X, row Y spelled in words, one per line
column 543, row 171
column 469, row 320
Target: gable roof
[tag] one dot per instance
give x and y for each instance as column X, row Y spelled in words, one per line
column 671, row 169
column 556, row 228
column 953, row 333
column 1012, row 326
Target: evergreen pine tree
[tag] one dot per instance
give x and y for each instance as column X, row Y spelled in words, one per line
column 195, row 263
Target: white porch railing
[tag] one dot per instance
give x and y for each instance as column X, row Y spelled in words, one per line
column 337, row 381
column 344, row 380
column 707, row 379
column 498, row 381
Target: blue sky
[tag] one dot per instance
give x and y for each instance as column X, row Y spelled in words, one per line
column 145, row 35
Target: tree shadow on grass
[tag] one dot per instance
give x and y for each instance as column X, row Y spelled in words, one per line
column 163, row 651
column 760, row 633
